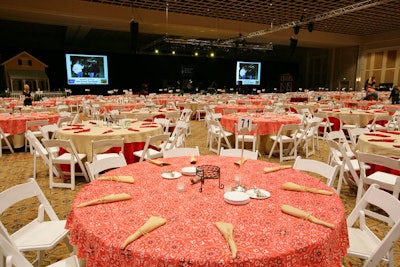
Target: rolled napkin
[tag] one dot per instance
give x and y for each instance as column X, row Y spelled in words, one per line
column 117, row 178
column 393, row 132
column 134, row 130
column 304, row 215
column 300, row 188
column 152, row 223
column 227, row 231
column 108, row 131
column 193, row 159
column 276, row 168
column 106, row 199
column 148, row 126
column 382, row 140
column 377, row 134
column 73, row 128
column 157, row 162
column 83, row 130
column 241, row 162
column 396, row 146
column 92, row 122
column 75, row 124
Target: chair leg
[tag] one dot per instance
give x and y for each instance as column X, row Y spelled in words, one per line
column 272, row 149
column 34, row 166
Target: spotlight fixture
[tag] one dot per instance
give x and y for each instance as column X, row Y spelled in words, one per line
column 296, row 29
column 310, row 26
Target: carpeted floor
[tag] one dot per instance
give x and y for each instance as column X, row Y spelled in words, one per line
column 18, row 167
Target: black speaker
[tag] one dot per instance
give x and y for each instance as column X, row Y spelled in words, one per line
column 293, row 43
column 134, row 29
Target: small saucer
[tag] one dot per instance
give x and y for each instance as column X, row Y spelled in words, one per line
column 171, row 175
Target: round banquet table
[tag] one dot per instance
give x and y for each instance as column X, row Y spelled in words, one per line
column 380, row 146
column 268, row 123
column 134, row 136
column 15, row 124
column 241, row 108
column 162, row 112
column 365, row 116
column 125, row 106
column 263, row 234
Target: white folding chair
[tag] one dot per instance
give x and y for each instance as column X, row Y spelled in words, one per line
column 100, row 148
column 236, row 152
column 286, row 136
column 38, row 150
column 164, row 122
column 63, row 121
column 48, row 131
column 71, row 157
column 340, row 137
column 308, row 136
column 152, row 142
column 348, row 167
column 39, row 234
column 325, row 123
column 385, row 180
column 13, row 257
column 4, row 137
column 251, row 137
column 364, row 243
column 318, row 167
column 349, row 121
column 355, row 133
column 181, row 152
column 34, row 126
column 216, row 133
column 380, row 122
column 96, row 167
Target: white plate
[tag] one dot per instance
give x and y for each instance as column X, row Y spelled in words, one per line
column 238, row 198
column 189, row 171
column 252, row 194
column 237, row 203
column 173, row 175
column 117, row 127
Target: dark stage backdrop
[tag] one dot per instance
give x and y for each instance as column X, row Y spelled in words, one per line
column 158, row 71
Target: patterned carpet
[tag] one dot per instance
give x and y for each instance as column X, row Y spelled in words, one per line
column 18, row 167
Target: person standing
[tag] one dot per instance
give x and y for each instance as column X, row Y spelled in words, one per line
column 370, row 82
column 394, row 95
column 27, row 94
column 77, row 68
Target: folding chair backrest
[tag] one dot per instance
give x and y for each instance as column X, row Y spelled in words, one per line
column 236, row 152
column 317, row 167
column 181, row 152
column 105, row 144
column 48, row 131
column 35, row 124
column 98, row 166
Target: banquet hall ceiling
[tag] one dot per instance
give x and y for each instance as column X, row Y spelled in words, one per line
column 336, row 23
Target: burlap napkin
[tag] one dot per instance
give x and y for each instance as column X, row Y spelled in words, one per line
column 276, row 168
column 117, row 178
column 240, row 162
column 295, row 187
column 153, row 223
column 106, row 199
column 304, row 215
column 157, row 162
column 227, row 231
